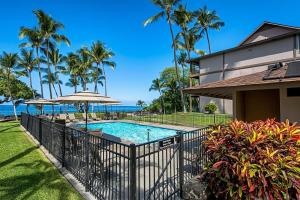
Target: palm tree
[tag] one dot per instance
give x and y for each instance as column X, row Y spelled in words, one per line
column 167, row 9
column 84, row 64
column 57, row 59
column 8, row 63
column 187, row 38
column 51, row 81
column 35, row 41
column 97, row 78
column 100, row 56
column 49, row 28
column 141, row 103
column 182, row 60
column 72, row 70
column 173, row 87
column 72, row 82
column 158, row 85
column 206, row 20
column 28, row 63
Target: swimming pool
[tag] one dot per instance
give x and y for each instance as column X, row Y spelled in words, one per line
column 133, row 132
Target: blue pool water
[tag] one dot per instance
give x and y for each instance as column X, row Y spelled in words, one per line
column 133, row 132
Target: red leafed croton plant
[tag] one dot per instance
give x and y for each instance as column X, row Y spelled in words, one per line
column 259, row 160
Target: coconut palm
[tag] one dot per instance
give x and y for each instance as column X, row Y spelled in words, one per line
column 8, row 63
column 72, row 82
column 206, row 20
column 72, row 70
column 48, row 28
column 56, row 60
column 34, row 40
column 28, row 63
column 158, row 85
column 97, row 78
column 84, row 64
column 141, row 103
column 100, row 56
column 167, row 9
column 51, row 81
column 182, row 60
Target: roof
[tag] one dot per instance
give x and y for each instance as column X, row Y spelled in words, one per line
column 243, row 45
column 224, row 88
column 268, row 24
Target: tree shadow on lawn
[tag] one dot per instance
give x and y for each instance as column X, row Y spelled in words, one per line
column 45, row 179
column 16, row 157
column 6, row 128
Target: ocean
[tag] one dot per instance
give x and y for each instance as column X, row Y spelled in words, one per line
column 7, row 110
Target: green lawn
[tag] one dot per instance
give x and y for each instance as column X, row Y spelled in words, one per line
column 25, row 173
column 184, row 119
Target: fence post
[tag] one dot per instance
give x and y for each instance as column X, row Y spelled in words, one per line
column 87, row 159
column 63, row 146
column 181, row 162
column 132, row 168
column 214, row 118
column 40, row 131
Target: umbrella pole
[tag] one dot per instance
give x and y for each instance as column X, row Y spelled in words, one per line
column 86, row 115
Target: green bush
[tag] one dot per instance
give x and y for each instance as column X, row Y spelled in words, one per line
column 211, row 108
column 259, row 160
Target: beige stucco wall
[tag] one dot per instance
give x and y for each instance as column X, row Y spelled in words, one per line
column 267, row 52
column 289, row 106
column 265, row 34
column 242, row 62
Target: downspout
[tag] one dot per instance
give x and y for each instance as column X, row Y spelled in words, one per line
column 223, row 76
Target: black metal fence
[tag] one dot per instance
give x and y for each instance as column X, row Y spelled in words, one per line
column 113, row 170
column 183, row 119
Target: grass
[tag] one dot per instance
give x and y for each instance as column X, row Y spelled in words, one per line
column 184, row 119
column 25, row 173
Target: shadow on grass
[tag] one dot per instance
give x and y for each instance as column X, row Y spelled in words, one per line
column 5, row 128
column 45, row 178
column 18, row 156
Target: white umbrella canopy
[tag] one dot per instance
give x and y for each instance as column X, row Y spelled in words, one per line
column 85, row 97
column 39, row 103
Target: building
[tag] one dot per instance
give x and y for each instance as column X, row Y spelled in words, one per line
column 270, row 43
column 273, row 93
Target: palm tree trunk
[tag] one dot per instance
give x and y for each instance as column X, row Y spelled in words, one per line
column 49, row 70
column 75, row 86
column 105, row 83
column 14, row 106
column 187, row 46
column 54, row 89
column 30, row 82
column 176, row 64
column 208, row 41
column 40, row 72
column 11, row 97
column 57, row 80
column 162, row 102
column 190, row 80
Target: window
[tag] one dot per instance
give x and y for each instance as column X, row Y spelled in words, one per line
column 293, row 92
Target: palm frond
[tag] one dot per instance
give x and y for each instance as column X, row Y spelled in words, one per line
column 154, row 18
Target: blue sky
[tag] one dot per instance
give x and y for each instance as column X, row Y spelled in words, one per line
column 141, row 53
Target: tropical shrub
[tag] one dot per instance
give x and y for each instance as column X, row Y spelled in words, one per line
column 259, row 160
column 211, row 108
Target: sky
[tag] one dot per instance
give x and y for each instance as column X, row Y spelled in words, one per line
column 141, row 53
